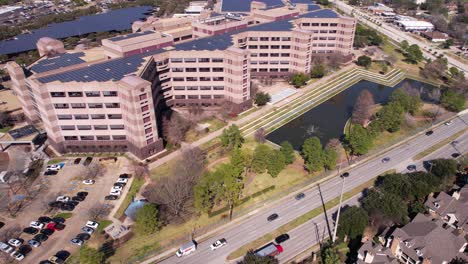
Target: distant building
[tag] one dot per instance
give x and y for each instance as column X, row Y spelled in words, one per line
column 415, row 25
column 435, row 36
column 452, row 209
column 379, row 8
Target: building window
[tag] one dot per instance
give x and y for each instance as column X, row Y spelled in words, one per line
column 205, row 88
column 64, row 117
column 75, row 94
column 218, row 88
column 116, row 127
column 98, row 116
column 253, row 38
column 144, row 108
column 218, row 69
column 60, row 106
column 333, row 24
column 148, row 130
column 176, row 60
column 178, row 79
column 263, row 46
column 284, row 54
column 193, row 97
column 103, row 137
column 286, row 39
column 191, row 69
column 264, row 39
column 94, row 105
column 205, row 79
column 57, row 94
column 205, row 96
column 109, row 93
column 285, row 46
column 112, row 105
column 191, row 79
column 149, row 141
column 67, row 127
column 100, row 127
column 84, row 127
column 114, row 116
column 275, row 38
column 146, row 119
column 143, row 97
column 179, row 97
column 217, row 60
column 204, row 69
column 218, row 96
column 81, row 117
column 190, row 60
column 71, row 138
column 78, row 105
column 192, row 88
column 177, row 69
column 263, row 54
column 204, row 60
column 218, row 79
column 179, row 88
column 87, row 137
column 253, row 47
column 93, row 94
column 118, row 137
column 324, row 24
column 275, row 46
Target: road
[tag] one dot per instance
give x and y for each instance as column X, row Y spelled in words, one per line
column 289, row 209
column 396, row 34
column 312, row 232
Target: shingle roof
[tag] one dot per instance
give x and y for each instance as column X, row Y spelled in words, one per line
column 450, row 205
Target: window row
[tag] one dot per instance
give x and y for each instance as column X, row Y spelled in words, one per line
column 323, row 45
column 192, row 60
column 271, row 70
column 197, row 69
column 196, row 88
column 270, row 39
column 116, row 137
column 269, row 62
column 204, row 96
column 82, row 117
column 87, row 94
column 324, row 31
column 83, row 105
column 320, row 24
column 89, row 127
column 324, row 38
column 270, row 55
column 269, row 46
column 195, row 79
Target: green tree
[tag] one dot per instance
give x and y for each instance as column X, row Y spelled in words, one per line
column 260, row 158
column 299, row 79
column 318, row 71
column 454, row 72
column 205, row 192
column 238, row 160
column 251, row 258
column 404, row 45
column 409, row 103
column 414, row 54
column 353, row 221
column 391, row 116
column 359, row 140
column 364, row 61
column 452, row 101
column 89, row 255
column 262, row 98
column 447, row 44
column 232, row 137
column 395, row 183
column 386, row 204
column 329, row 254
column 231, row 187
column 330, row 157
column 146, row 221
column 288, row 152
column 313, row 154
column 443, row 167
column 276, row 163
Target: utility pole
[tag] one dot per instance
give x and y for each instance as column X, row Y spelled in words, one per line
column 343, row 176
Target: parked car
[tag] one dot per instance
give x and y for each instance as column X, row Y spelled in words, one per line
column 92, row 224
column 63, row 254
column 47, row 232
column 41, row 237
column 449, row 123
column 385, row 160
column 411, row 167
column 77, row 161
column 121, row 185
column 218, row 243
column 37, row 225
column 117, row 188
column 4, row 247
column 83, row 236
column 122, row 180
column 272, row 217
column 34, row 243
column 77, row 241
column 89, row 182
column 281, row 238
column 58, row 220
column 82, row 194
column 430, row 132
column 455, row 155
column 44, row 219
column 87, row 161
column 111, row 197
column 14, row 242
column 87, row 230
column 55, row 226
column 30, row 230
column 17, row 255
column 115, row 192
column 72, row 203
column 67, row 207
column 56, row 260
column 62, row 199
column 78, row 198
column 124, row 176
column 55, row 167
column 344, row 175
column 299, row 196
column 55, row 204
column 50, row 172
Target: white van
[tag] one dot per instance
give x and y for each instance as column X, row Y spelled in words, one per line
column 186, row 249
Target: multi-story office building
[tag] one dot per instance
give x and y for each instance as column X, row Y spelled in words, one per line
column 114, row 103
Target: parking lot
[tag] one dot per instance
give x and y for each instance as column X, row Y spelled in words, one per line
column 67, row 182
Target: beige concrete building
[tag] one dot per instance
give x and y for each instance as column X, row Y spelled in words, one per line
column 115, row 104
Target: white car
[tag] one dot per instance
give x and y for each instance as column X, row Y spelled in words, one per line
column 449, row 123
column 63, row 199
column 92, row 224
column 37, row 225
column 54, row 167
column 89, row 182
column 114, row 192
column 17, row 255
column 218, row 243
column 117, row 188
column 5, row 247
column 122, row 180
column 15, row 242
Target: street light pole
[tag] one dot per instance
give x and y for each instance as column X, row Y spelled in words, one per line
column 339, row 209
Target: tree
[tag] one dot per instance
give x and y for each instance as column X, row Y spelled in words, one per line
column 260, row 158
column 276, row 163
column 318, row 71
column 288, row 152
column 329, row 254
column 232, row 186
column 387, row 204
column 452, row 101
column 89, row 255
column 252, row 258
column 391, row 116
column 435, row 69
column 454, row 72
column 238, row 160
column 447, row 44
column 174, row 129
column 414, row 54
column 260, row 135
column 98, row 212
column 362, row 111
column 313, row 154
column 262, row 98
column 147, row 221
column 443, row 167
column 330, row 157
column 364, row 61
column 404, row 45
column 232, row 137
column 204, row 192
column 395, row 183
column 353, row 221
column 93, row 170
column 299, row 79
column 359, row 140
column 409, row 103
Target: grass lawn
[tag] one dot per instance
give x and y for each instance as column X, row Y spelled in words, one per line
column 64, row 215
column 55, row 161
column 103, row 224
column 5, row 129
column 136, row 185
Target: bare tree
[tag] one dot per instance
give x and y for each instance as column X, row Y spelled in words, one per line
column 225, row 110
column 410, row 120
column 94, row 170
column 260, row 135
column 140, row 170
column 98, row 212
column 410, row 89
column 195, row 111
column 392, row 58
column 10, row 232
column 362, row 111
column 334, row 60
column 175, row 128
column 191, row 163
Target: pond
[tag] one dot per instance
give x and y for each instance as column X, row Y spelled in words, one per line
column 327, row 120
column 114, row 20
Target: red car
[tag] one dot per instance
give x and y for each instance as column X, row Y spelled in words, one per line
column 55, row 226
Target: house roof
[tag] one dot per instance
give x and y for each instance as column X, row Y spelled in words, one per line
column 448, row 204
column 381, row 254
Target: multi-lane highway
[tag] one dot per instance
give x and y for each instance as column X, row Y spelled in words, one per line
column 256, row 225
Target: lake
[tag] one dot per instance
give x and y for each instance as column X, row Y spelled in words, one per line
column 327, row 120
column 113, row 20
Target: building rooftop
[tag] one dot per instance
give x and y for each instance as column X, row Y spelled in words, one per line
column 455, row 205
column 129, row 36
column 244, row 5
column 57, row 61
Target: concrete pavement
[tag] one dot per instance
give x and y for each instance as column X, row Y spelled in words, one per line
column 289, row 209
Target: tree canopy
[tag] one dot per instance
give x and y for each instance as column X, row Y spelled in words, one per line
column 89, row 255
column 262, row 98
column 232, row 137
column 318, row 71
column 359, row 140
column 299, row 79
column 353, row 221
column 453, row 101
column 288, row 152
column 313, row 154
column 251, row 258
column 147, row 221
column 364, row 61
column 362, row 111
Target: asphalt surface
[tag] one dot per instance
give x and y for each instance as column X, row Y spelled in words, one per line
column 256, row 225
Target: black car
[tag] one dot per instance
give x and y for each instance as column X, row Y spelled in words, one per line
column 24, row 249
column 430, row 132
column 51, row 172
column 111, row 197
column 120, row 184
column 62, row 254
column 281, row 238
column 83, row 236
column 300, row 196
column 30, row 230
column 67, row 207
column 272, row 217
column 411, row 167
column 47, row 232
column 344, row 175
column 72, row 203
column 82, row 194
column 124, row 176
column 78, row 198
column 55, row 204
column 1, row 224
column 77, row 161
column 385, row 160
column 87, row 161
column 455, row 155
column 44, row 219
column 41, row 237
column 58, row 220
